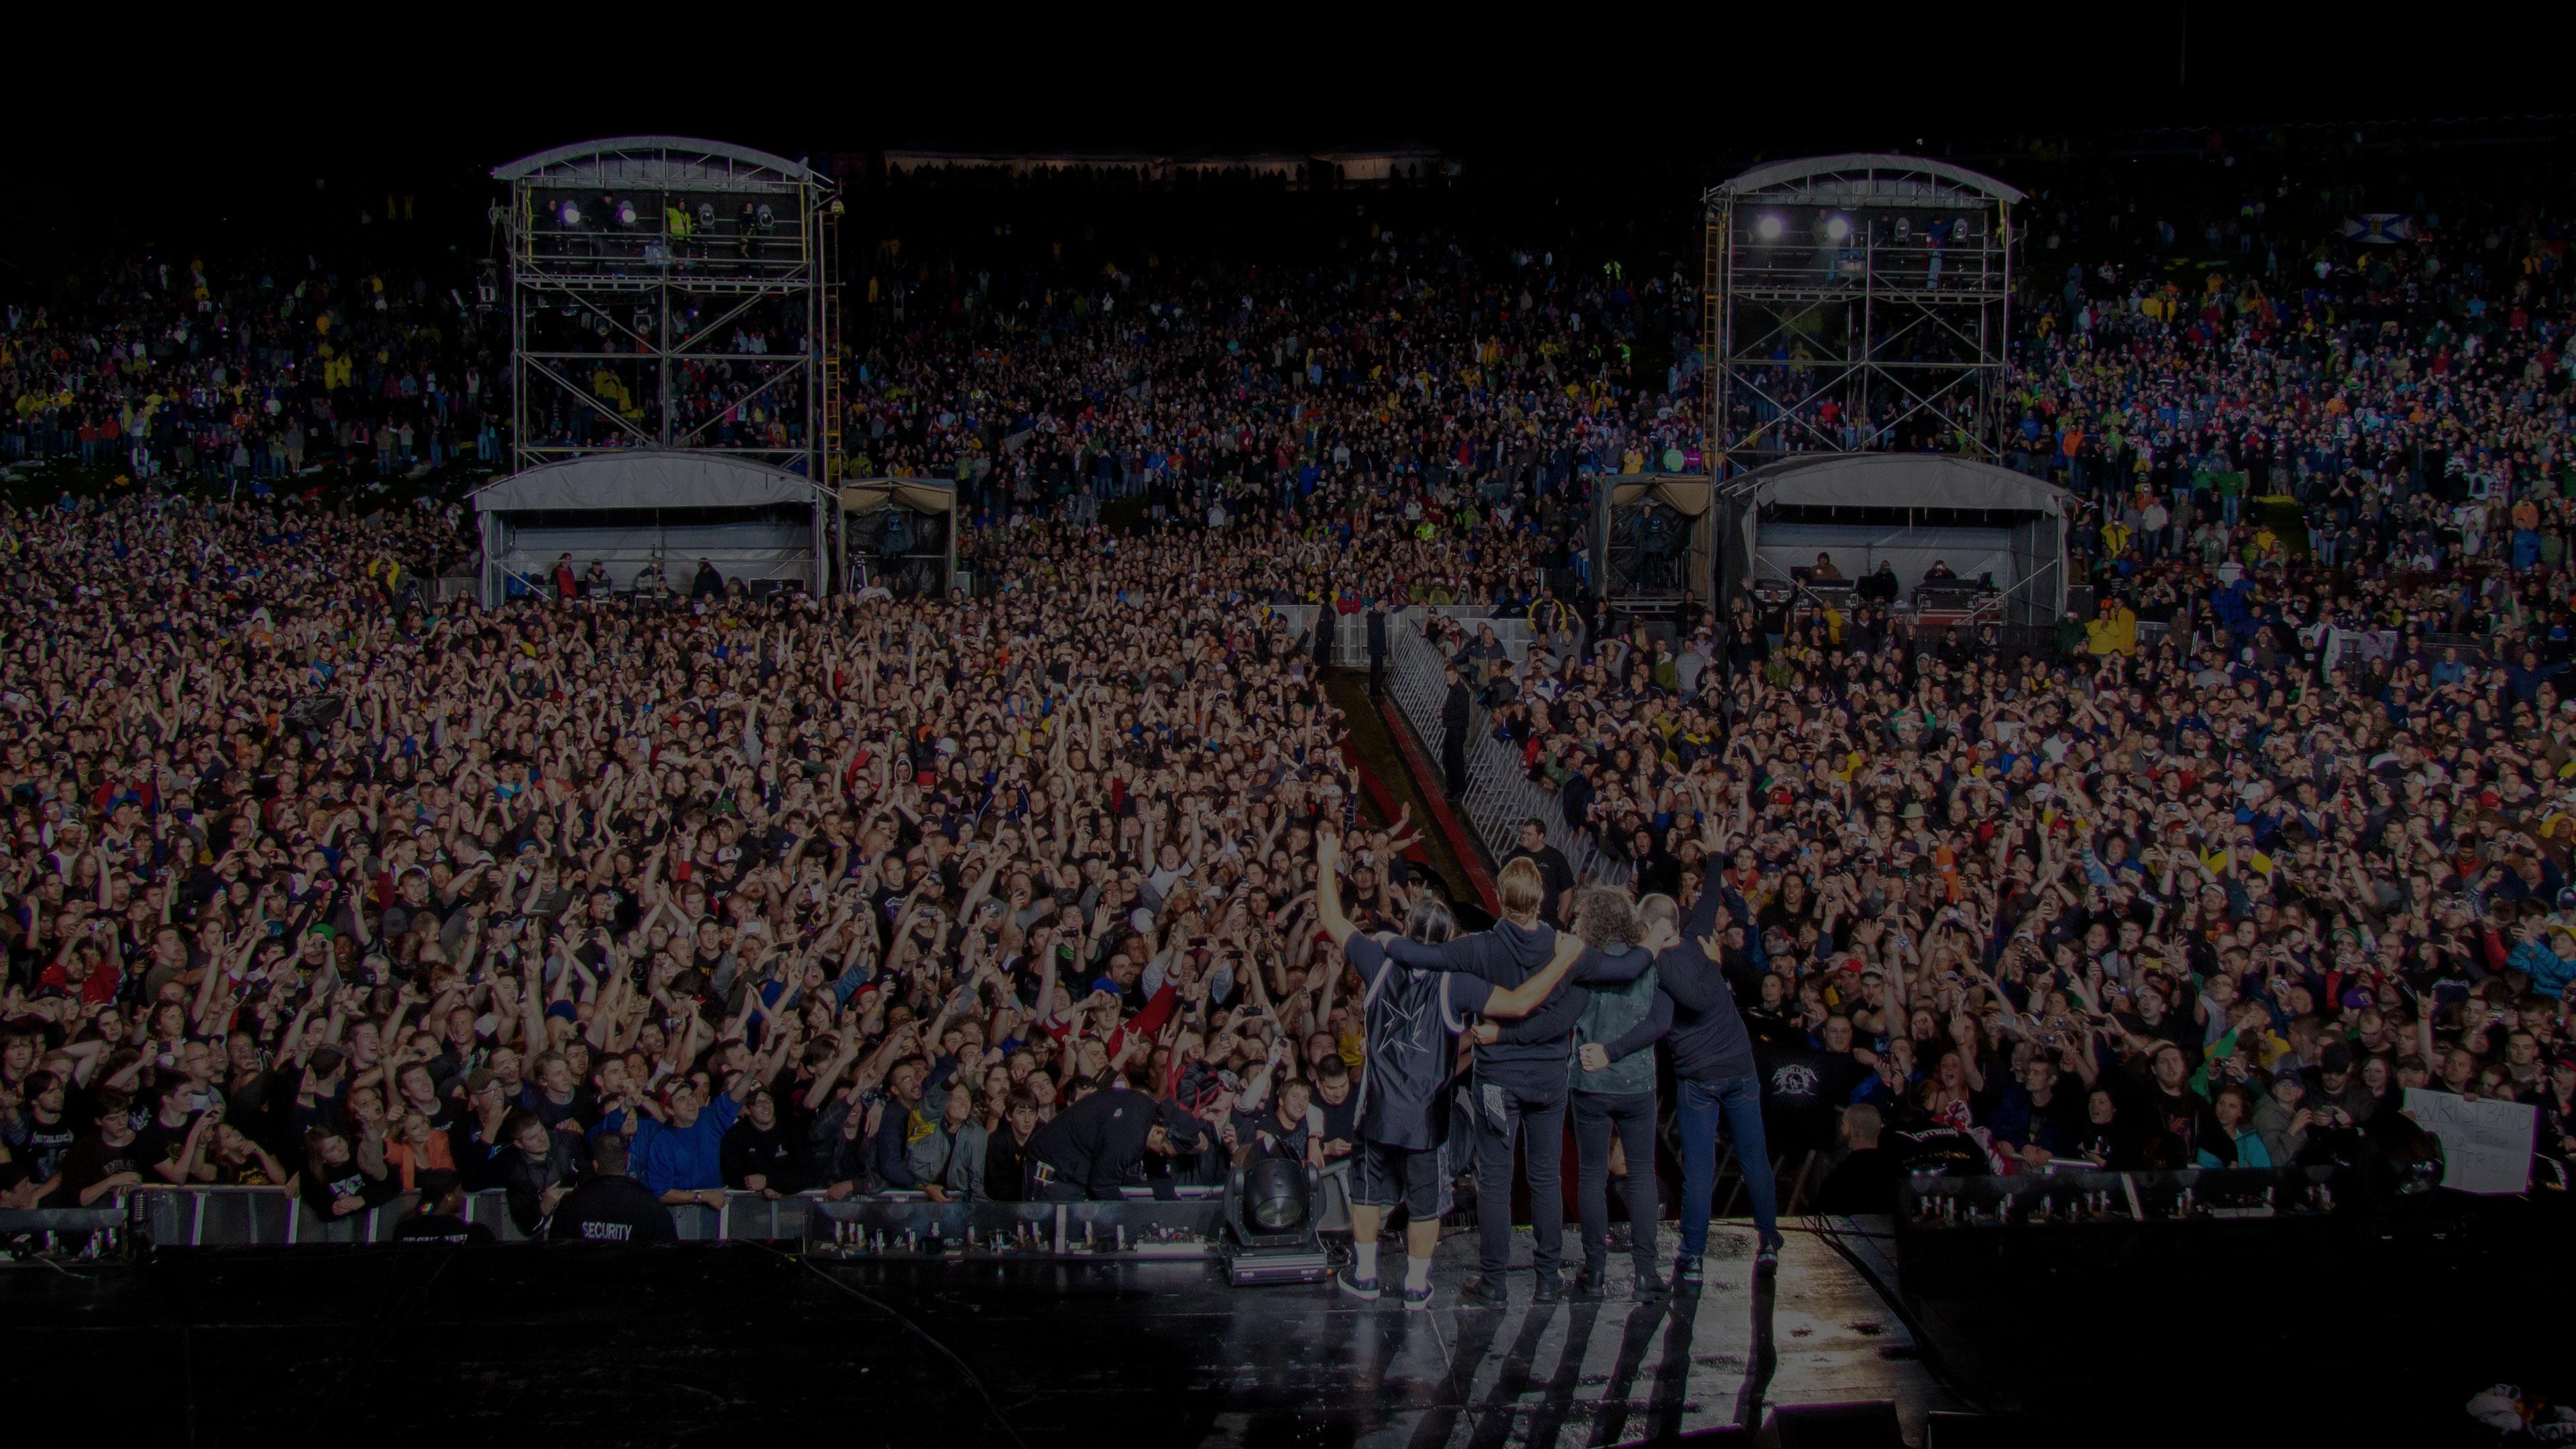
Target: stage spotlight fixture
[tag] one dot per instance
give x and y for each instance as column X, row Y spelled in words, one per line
column 1275, row 1197
column 570, row 212
column 1270, row 1218
column 1768, row 227
column 625, row 213
column 1837, row 228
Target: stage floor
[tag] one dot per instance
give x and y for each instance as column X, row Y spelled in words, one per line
column 1321, row 1370
column 735, row 1342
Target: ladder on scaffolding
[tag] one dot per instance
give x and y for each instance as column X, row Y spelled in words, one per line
column 831, row 360
column 1712, row 398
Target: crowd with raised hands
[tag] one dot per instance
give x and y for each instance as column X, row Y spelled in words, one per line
column 2199, row 903
column 317, row 881
column 2218, row 889
column 250, row 371
column 1412, row 372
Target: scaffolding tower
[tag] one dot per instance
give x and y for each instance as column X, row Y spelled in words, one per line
column 1856, row 303
column 671, row 293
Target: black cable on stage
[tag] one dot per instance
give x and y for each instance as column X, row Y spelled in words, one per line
column 1950, row 1383
column 963, row 1369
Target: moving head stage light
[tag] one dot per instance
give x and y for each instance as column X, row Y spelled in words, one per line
column 1270, row 1209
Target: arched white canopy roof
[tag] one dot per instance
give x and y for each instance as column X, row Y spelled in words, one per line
column 1863, row 173
column 658, row 160
column 644, row 478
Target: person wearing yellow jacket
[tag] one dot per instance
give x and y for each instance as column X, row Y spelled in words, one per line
column 2114, row 630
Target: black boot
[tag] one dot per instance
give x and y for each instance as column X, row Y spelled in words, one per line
column 1594, row 1281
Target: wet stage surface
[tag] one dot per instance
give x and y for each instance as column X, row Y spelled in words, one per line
column 717, row 1342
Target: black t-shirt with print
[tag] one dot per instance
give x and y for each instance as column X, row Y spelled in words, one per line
column 46, row 1146
column 90, row 1162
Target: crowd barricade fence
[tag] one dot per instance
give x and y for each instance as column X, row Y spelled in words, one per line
column 903, row 1226
column 1976, row 1236
column 1500, row 796
column 269, row 1217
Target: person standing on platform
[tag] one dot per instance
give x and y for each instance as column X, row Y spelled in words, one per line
column 1520, row 1071
column 1556, row 876
column 1377, row 621
column 1620, row 1099
column 1714, row 1078
column 1453, row 733
column 1408, row 1015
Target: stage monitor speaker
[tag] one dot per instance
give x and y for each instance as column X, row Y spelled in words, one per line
column 1838, row 1426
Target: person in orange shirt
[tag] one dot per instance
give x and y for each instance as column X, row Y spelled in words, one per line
column 416, row 1148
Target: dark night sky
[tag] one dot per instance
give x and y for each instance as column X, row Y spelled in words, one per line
column 1521, row 94
column 1629, row 102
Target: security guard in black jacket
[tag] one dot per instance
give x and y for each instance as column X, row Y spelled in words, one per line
column 611, row 1207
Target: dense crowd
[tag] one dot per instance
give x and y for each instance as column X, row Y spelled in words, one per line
column 338, row 886
column 2215, row 891
column 1418, row 385
column 318, row 880
column 193, row 372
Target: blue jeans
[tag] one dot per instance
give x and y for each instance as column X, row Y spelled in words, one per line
column 1699, row 1105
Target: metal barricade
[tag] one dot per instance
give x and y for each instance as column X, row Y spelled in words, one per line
column 234, row 1217
column 271, row 1217
column 1500, row 795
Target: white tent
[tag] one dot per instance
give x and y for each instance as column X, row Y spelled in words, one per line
column 1396, row 163
column 750, row 519
column 1975, row 517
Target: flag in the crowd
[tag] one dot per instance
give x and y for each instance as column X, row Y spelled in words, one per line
column 2380, row 228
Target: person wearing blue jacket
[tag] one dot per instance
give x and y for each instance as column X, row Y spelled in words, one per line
column 2550, row 962
column 681, row 1156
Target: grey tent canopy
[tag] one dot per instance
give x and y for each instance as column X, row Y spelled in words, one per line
column 645, row 478
column 686, row 162
column 647, row 507
column 1857, row 177
column 2023, row 529
column 1897, row 480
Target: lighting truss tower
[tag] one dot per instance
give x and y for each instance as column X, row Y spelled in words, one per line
column 1856, row 302
column 672, row 293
